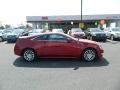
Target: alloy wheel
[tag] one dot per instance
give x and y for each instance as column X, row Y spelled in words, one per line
column 89, row 55
column 29, row 55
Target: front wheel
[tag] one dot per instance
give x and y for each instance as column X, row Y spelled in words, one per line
column 112, row 37
column 89, row 55
column 29, row 55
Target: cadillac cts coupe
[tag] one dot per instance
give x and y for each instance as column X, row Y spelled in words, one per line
column 57, row 45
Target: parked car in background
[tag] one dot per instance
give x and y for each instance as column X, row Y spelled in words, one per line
column 1, row 33
column 12, row 37
column 113, row 33
column 95, row 34
column 76, row 33
column 5, row 33
column 57, row 31
column 57, row 45
column 36, row 31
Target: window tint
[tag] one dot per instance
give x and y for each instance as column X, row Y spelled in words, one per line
column 43, row 37
column 57, row 37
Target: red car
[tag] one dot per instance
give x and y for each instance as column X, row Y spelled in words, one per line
column 57, row 45
column 76, row 33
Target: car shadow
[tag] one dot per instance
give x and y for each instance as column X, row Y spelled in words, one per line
column 59, row 63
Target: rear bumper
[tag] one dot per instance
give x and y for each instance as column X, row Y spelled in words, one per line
column 17, row 50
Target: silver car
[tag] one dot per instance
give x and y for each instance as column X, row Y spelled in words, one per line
column 113, row 33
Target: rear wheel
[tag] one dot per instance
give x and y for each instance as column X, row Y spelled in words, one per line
column 29, row 55
column 89, row 55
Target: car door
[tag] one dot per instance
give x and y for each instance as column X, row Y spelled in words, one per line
column 40, row 44
column 58, row 46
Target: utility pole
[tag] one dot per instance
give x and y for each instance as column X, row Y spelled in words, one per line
column 81, row 9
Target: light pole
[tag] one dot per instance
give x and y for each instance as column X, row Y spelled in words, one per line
column 81, row 9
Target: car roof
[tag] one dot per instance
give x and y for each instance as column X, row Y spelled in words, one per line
column 48, row 33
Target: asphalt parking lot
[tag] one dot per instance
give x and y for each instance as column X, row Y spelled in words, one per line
column 59, row 74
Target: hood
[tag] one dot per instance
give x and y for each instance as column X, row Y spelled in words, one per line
column 87, row 41
column 98, row 33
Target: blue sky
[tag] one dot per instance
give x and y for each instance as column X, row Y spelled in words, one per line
column 15, row 11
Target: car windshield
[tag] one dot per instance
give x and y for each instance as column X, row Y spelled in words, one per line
column 18, row 31
column 76, row 30
column 37, row 30
column 57, row 30
column 96, row 30
column 116, row 29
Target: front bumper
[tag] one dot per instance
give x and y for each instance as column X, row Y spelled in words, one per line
column 99, row 37
column 100, row 53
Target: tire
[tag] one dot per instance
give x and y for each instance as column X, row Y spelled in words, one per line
column 112, row 37
column 29, row 55
column 89, row 55
column 1, row 39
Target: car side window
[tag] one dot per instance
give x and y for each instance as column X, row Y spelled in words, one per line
column 57, row 37
column 42, row 37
